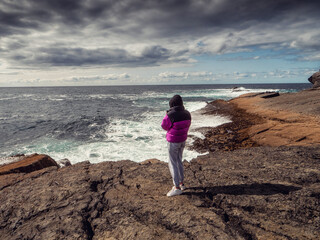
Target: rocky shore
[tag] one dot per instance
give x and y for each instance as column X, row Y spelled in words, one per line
column 264, row 119
column 260, row 180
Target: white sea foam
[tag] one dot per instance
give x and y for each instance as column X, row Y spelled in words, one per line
column 7, row 98
column 200, row 121
column 102, row 96
column 194, row 106
column 126, row 139
column 56, row 99
column 6, row 160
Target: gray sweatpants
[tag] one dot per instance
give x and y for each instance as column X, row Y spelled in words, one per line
column 175, row 162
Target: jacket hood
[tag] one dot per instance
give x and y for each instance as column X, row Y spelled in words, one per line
column 175, row 101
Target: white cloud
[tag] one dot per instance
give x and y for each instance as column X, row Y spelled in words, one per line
column 313, row 57
column 185, row 74
column 107, row 77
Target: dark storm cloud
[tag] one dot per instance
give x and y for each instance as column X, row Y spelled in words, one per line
column 175, row 15
column 154, row 55
column 135, row 20
column 189, row 18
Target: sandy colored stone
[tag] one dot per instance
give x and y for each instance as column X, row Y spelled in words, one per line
column 290, row 119
column 28, row 164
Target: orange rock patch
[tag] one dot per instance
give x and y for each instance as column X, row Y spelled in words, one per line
column 28, row 164
column 280, row 126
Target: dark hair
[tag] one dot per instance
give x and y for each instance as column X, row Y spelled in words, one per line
column 176, row 100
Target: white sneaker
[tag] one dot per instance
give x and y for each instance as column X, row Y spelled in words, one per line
column 174, row 191
column 182, row 186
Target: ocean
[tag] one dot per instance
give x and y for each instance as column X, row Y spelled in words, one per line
column 108, row 123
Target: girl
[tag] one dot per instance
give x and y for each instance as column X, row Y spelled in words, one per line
column 176, row 122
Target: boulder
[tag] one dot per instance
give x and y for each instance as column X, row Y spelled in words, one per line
column 315, row 79
column 28, row 164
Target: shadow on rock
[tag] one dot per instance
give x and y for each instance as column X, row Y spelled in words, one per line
column 242, row 189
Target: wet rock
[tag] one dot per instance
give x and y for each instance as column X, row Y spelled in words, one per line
column 64, row 162
column 229, row 136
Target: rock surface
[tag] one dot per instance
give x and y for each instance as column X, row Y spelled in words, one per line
column 255, row 193
column 28, row 164
column 286, row 120
column 315, row 79
column 17, row 171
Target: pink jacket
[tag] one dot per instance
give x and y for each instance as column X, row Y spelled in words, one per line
column 176, row 122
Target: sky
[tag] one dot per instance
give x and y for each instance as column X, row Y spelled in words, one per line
column 132, row 42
